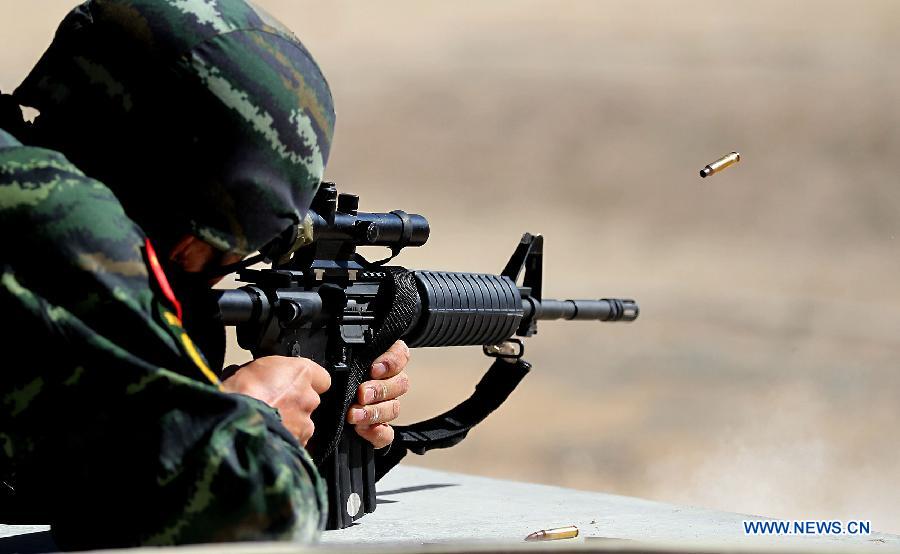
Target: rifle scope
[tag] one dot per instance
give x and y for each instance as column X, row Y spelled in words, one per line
column 336, row 219
column 390, row 229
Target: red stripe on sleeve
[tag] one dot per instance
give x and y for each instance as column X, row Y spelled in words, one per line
column 161, row 280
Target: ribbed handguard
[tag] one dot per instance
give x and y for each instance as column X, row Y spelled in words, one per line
column 465, row 309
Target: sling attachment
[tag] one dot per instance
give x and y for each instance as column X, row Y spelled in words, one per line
column 451, row 427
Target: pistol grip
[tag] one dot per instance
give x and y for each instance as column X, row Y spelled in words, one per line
column 349, row 470
column 350, row 474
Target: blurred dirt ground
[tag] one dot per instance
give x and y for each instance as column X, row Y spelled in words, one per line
column 762, row 375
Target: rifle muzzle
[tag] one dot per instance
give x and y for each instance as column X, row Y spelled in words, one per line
column 607, row 309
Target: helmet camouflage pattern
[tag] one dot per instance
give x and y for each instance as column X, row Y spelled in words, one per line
column 203, row 116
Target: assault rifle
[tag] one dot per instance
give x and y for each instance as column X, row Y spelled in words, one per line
column 327, row 303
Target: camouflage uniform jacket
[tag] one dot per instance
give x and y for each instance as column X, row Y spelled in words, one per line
column 112, row 427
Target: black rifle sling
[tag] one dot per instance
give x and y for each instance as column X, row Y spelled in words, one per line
column 348, row 461
column 350, row 464
column 403, row 304
column 451, row 427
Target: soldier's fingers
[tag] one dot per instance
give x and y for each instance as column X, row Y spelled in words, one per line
column 301, row 427
column 371, row 392
column 378, row 436
column 319, row 378
column 308, row 401
column 391, row 362
column 307, row 433
column 376, row 413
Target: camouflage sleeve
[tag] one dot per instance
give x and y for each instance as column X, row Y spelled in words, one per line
column 111, row 428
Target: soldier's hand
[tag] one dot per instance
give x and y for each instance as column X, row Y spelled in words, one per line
column 378, row 399
column 291, row 385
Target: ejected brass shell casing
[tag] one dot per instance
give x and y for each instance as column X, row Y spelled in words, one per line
column 720, row 164
column 554, row 534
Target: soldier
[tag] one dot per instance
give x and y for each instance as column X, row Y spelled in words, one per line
column 175, row 137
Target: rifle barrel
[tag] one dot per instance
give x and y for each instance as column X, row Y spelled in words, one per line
column 607, row 309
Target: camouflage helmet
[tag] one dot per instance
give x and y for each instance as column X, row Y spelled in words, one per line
column 203, row 116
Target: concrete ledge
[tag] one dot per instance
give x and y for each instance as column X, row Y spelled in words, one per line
column 420, row 506
column 436, row 512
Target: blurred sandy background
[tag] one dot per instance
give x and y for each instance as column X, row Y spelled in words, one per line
column 762, row 376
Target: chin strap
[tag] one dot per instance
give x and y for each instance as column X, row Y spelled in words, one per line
column 452, row 426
